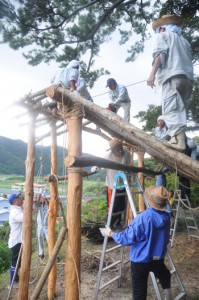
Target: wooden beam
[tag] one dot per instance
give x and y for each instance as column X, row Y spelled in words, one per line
column 27, row 219
column 141, row 179
column 117, row 127
column 73, row 161
column 49, row 265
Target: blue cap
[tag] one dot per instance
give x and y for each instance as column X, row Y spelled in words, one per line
column 12, row 197
column 110, row 81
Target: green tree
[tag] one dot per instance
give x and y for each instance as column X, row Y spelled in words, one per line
column 63, row 30
column 149, row 117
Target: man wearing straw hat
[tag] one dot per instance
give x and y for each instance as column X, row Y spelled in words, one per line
column 148, row 236
column 172, row 63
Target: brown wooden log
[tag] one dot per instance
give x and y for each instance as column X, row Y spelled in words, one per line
column 52, row 213
column 73, row 251
column 73, row 161
column 117, row 127
column 65, row 177
column 27, row 219
column 49, row 265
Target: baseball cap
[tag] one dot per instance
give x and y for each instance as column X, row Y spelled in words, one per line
column 12, row 197
column 110, row 81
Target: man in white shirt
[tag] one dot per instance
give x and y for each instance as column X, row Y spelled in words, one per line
column 15, row 238
column 67, row 76
column 119, row 97
column 120, row 155
column 172, row 63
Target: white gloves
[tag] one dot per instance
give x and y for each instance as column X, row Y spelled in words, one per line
column 94, row 169
column 105, row 231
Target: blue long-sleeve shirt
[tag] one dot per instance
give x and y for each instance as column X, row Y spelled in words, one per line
column 147, row 234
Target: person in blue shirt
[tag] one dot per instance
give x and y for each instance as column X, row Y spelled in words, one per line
column 148, row 236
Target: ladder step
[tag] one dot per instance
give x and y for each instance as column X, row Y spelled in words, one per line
column 109, row 282
column 189, row 218
column 112, row 265
column 194, row 236
column 192, row 227
column 113, row 248
column 182, row 294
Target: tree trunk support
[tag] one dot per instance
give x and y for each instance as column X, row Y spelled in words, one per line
column 73, row 251
column 52, row 213
column 27, row 219
column 141, row 179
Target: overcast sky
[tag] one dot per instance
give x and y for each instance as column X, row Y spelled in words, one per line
column 18, row 78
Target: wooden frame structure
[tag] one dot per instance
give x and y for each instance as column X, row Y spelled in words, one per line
column 71, row 108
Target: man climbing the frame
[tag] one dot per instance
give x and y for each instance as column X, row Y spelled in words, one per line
column 172, row 63
column 148, row 236
column 67, row 76
column 119, row 97
column 15, row 238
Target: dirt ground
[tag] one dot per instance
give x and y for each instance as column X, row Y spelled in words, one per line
column 185, row 255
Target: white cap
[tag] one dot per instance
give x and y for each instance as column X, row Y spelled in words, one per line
column 160, row 118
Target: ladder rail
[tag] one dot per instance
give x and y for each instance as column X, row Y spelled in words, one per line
column 173, row 271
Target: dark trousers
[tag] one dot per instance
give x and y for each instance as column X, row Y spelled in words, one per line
column 140, row 273
column 15, row 255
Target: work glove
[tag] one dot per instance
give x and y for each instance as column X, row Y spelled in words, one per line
column 105, row 231
column 95, row 169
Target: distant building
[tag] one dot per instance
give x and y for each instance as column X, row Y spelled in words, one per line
column 4, row 210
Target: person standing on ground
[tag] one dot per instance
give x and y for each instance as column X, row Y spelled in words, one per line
column 148, row 236
column 42, row 222
column 67, row 76
column 119, row 154
column 119, row 97
column 15, row 238
column 172, row 63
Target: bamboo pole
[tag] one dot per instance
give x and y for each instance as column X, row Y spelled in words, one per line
column 73, row 251
column 141, row 179
column 73, row 161
column 52, row 213
column 49, row 264
column 27, row 219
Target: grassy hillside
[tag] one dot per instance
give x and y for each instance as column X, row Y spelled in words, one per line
column 13, row 155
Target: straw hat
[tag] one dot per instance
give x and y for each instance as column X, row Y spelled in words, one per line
column 167, row 19
column 157, row 197
column 113, row 143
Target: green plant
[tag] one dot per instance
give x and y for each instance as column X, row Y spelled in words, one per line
column 5, row 257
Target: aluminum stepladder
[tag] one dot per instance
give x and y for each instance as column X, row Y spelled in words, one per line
column 191, row 224
column 137, row 189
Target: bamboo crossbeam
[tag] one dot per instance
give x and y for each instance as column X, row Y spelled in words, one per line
column 65, row 177
column 73, row 161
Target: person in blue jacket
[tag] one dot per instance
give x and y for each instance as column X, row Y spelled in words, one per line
column 148, row 236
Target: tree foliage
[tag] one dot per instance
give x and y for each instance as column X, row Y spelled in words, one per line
column 62, row 30
column 149, row 117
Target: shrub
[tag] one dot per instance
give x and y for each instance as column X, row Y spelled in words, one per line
column 5, row 257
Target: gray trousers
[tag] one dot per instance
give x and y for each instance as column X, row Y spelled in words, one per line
column 126, row 107
column 176, row 94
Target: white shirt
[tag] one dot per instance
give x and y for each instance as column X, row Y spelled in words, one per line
column 119, row 95
column 64, row 76
column 15, row 221
column 124, row 159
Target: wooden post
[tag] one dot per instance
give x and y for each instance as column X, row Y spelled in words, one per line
column 52, row 213
column 141, row 179
column 27, row 220
column 73, row 251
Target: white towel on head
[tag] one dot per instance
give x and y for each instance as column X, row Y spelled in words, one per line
column 73, row 64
